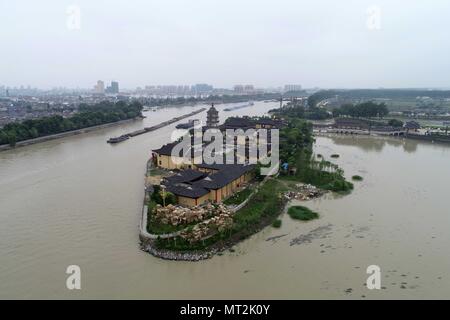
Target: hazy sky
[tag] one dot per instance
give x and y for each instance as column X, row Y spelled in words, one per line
column 324, row 43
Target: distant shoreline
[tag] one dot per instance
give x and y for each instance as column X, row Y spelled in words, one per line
column 64, row 134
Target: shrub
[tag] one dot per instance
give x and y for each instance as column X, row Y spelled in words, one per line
column 395, row 123
column 302, row 213
column 357, row 178
column 276, row 223
column 157, row 196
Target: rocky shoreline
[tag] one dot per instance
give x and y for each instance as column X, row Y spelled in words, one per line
column 149, row 247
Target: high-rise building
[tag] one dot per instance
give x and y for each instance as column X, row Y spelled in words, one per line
column 114, row 87
column 99, row 87
column 212, row 117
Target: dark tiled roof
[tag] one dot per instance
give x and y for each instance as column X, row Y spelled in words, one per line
column 198, row 186
column 213, row 166
column 350, row 122
column 185, row 176
column 268, row 121
column 187, row 190
column 224, row 176
column 166, row 149
column 412, row 125
column 235, row 122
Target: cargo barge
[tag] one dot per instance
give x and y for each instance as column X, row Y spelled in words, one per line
column 153, row 128
column 118, row 139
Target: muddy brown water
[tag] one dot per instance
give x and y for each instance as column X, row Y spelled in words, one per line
column 78, row 200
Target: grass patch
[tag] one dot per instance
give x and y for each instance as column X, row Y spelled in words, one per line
column 357, row 178
column 239, row 197
column 276, row 223
column 302, row 213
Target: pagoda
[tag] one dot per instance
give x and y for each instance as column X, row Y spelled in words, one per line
column 212, row 118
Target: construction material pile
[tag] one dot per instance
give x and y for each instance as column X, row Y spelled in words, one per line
column 177, row 215
column 220, row 222
column 304, row 192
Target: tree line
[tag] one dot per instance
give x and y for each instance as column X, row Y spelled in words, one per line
column 368, row 94
column 297, row 110
column 88, row 116
column 363, row 110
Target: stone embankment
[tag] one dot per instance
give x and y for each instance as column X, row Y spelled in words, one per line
column 175, row 255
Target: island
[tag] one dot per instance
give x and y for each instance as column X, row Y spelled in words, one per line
column 195, row 210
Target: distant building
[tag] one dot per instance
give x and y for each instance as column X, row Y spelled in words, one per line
column 412, row 126
column 238, row 88
column 99, row 87
column 114, row 88
column 244, row 89
column 200, row 88
column 351, row 123
column 212, row 117
column 292, row 87
column 249, row 88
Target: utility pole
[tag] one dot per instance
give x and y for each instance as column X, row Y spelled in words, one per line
column 163, row 187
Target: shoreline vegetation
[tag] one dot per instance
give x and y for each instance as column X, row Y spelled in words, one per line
column 266, row 202
column 302, row 213
column 30, row 142
column 89, row 116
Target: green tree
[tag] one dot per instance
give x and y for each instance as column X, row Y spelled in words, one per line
column 395, row 123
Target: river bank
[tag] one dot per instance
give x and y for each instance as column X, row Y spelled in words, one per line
column 66, row 134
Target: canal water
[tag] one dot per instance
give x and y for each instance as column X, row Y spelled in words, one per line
column 77, row 201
